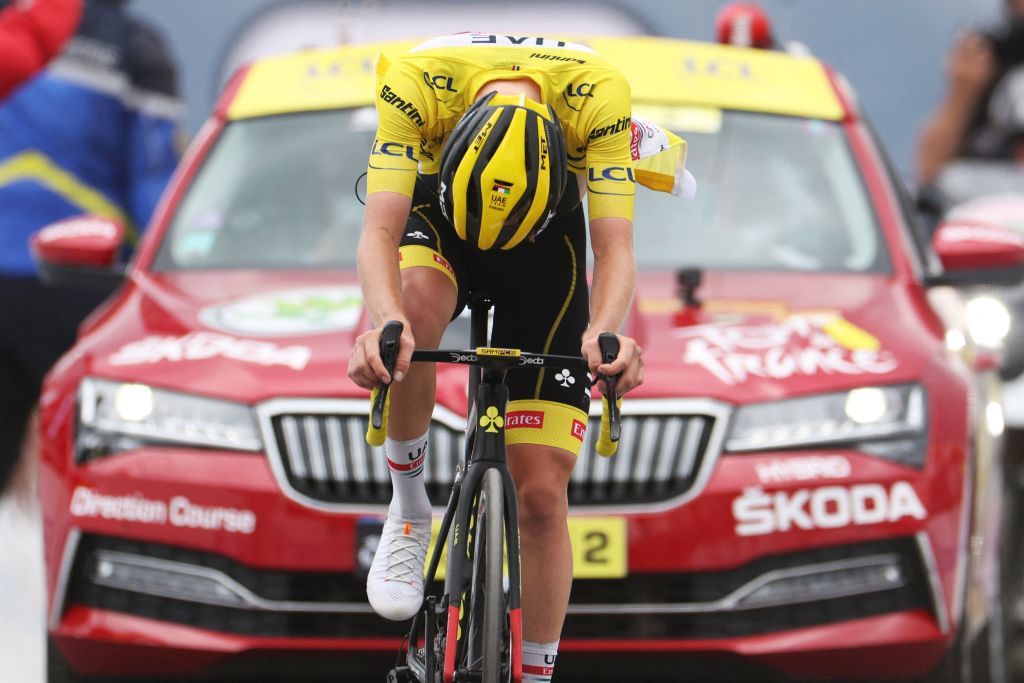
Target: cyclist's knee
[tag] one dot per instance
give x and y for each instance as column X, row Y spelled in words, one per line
column 428, row 299
column 542, row 475
column 543, row 507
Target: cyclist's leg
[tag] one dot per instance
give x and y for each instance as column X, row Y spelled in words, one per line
column 429, row 297
column 431, row 266
column 545, row 309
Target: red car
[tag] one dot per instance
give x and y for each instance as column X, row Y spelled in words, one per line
column 808, row 483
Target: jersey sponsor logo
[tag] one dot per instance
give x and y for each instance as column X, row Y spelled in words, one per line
column 578, row 429
column 580, row 90
column 393, row 149
column 525, row 419
column 404, row 106
column 565, row 378
column 492, row 39
column 470, row 38
column 616, row 174
column 617, row 127
column 440, row 260
column 440, row 82
column 556, row 58
column 417, row 235
column 757, row 512
column 573, row 93
column 636, row 136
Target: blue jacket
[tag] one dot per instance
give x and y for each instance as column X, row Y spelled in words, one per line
column 97, row 132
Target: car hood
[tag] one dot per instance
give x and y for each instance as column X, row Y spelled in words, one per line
column 764, row 336
column 255, row 335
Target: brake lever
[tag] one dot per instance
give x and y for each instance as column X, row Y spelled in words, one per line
column 389, row 344
column 609, row 345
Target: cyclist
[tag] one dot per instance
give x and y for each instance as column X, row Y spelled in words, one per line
column 485, row 146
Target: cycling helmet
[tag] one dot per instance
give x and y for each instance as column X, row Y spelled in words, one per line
column 503, row 171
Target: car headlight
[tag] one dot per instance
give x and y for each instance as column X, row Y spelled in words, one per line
column 988, row 321
column 887, row 421
column 118, row 416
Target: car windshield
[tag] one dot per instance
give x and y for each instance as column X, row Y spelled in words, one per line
column 773, row 193
column 276, row 192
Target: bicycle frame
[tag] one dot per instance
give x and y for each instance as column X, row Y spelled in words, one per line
column 485, row 450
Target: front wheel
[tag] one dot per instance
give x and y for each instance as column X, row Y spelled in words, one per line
column 488, row 645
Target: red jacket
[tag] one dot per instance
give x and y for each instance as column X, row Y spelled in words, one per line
column 32, row 32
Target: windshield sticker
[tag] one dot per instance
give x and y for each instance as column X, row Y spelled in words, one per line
column 207, row 345
column 803, row 469
column 757, row 512
column 179, row 511
column 312, row 310
column 801, row 345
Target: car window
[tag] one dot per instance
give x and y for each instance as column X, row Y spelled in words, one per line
column 773, row 193
column 275, row 192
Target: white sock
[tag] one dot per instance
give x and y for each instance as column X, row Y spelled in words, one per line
column 539, row 661
column 405, row 462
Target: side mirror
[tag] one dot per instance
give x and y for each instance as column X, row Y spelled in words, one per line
column 80, row 251
column 975, row 253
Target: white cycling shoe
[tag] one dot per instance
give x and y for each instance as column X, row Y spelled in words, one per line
column 394, row 586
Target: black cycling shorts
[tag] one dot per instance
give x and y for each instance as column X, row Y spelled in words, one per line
column 541, row 305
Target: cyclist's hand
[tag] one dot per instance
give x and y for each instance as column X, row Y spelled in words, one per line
column 629, row 363
column 365, row 367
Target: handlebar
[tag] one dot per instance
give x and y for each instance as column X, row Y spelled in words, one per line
column 486, row 357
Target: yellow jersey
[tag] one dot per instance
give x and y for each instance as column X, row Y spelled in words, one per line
column 422, row 94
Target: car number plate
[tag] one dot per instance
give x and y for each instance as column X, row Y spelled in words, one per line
column 599, row 546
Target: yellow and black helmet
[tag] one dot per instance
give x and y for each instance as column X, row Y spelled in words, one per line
column 503, row 171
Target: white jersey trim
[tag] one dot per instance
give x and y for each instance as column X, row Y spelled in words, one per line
column 471, row 39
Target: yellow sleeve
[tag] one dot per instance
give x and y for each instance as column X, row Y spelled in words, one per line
column 394, row 157
column 610, row 182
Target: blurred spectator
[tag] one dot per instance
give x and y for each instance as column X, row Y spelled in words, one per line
column 982, row 114
column 32, row 32
column 95, row 133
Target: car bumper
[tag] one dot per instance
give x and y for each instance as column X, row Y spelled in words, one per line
column 295, row 557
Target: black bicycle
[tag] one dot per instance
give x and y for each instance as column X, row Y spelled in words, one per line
column 473, row 631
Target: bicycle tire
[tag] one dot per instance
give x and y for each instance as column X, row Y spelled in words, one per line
column 488, row 640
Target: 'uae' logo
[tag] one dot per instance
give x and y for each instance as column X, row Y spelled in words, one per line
column 491, row 420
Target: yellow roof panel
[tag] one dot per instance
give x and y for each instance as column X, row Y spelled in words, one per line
column 660, row 71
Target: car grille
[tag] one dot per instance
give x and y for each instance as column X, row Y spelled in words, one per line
column 325, row 458
column 284, row 589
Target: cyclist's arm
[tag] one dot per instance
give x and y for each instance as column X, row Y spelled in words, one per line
column 377, row 263
column 391, row 176
column 614, row 274
column 611, row 293
column 611, row 189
